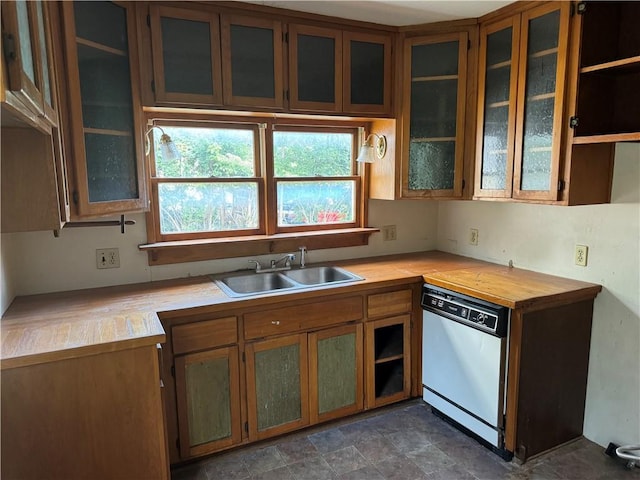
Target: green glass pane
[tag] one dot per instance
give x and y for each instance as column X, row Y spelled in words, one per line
column 499, row 46
column 105, row 89
column 102, row 22
column 537, row 143
column 312, row 154
column 252, row 59
column 111, row 167
column 316, row 202
column 207, row 207
column 431, row 165
column 541, row 75
column 316, row 69
column 433, row 108
column 494, row 148
column 44, row 57
column 543, row 32
column 186, row 54
column 434, row 59
column 278, row 389
column 367, row 73
column 208, row 400
column 26, row 49
column 497, row 85
column 206, row 153
column 336, row 372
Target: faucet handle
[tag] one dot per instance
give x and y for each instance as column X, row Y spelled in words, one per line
column 257, row 267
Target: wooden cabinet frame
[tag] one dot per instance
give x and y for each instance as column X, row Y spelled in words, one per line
column 227, row 20
column 182, row 362
column 250, row 350
column 314, row 338
column 294, row 102
column 156, row 12
column 456, row 191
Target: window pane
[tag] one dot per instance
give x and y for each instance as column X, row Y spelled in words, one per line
column 206, row 153
column 207, row 207
column 316, row 202
column 312, row 154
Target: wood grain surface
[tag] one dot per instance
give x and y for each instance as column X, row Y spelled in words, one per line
column 41, row 328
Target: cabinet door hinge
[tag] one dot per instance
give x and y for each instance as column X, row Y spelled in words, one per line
column 468, row 44
column 285, row 37
column 9, row 46
column 148, row 20
column 76, row 197
column 286, row 95
column 153, row 86
column 173, row 371
column 581, row 8
column 464, row 184
column 244, row 357
column 573, row 122
column 246, row 427
column 560, row 185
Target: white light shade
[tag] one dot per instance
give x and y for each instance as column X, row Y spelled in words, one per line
column 168, row 148
column 369, row 151
column 366, row 154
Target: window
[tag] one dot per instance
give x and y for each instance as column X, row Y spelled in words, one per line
column 239, row 181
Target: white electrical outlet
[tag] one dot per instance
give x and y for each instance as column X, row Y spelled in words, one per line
column 581, row 253
column 107, row 258
column 473, row 236
column 389, row 233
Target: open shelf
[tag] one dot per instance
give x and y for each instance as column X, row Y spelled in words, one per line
column 389, row 378
column 389, row 343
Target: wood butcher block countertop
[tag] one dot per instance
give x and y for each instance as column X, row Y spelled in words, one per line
column 49, row 327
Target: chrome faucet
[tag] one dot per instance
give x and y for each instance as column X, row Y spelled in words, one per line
column 288, row 258
column 303, row 256
column 257, row 268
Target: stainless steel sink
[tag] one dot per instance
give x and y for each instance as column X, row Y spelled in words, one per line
column 321, row 275
column 240, row 285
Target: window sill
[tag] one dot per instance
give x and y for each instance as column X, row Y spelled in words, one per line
column 164, row 253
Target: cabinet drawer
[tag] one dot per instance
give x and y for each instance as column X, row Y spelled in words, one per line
column 390, row 303
column 204, row 335
column 302, row 317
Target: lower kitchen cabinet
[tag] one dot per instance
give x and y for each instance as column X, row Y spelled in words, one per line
column 335, row 372
column 208, row 400
column 388, row 360
column 277, row 385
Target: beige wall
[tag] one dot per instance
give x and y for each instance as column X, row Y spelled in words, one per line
column 543, row 238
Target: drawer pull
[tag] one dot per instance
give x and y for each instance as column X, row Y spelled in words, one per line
column 275, row 322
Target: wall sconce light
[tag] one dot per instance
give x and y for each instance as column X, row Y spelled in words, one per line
column 167, row 147
column 367, row 149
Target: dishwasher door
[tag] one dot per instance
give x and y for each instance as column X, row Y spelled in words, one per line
column 463, row 375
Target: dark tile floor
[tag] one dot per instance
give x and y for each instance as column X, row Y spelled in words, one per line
column 404, row 442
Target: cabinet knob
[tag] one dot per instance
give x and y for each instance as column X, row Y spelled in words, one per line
column 275, row 322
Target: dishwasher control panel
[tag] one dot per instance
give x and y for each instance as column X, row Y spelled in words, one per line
column 474, row 312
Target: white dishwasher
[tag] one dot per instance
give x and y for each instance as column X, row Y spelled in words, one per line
column 464, row 353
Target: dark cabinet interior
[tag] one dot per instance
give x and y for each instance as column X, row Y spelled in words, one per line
column 609, row 69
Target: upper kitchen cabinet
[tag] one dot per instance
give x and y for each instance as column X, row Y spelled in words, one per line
column 433, row 116
column 366, row 73
column 187, row 67
column 520, row 104
column 252, row 56
column 315, row 69
column 332, row 70
column 102, row 91
column 27, row 56
column 606, row 106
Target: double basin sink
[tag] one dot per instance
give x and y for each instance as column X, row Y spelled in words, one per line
column 240, row 285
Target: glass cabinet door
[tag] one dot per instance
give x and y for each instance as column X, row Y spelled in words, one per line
column 208, row 399
column 252, row 73
column 100, row 38
column 497, row 87
column 434, row 110
column 277, row 386
column 335, row 371
column 367, row 73
column 544, row 33
column 186, row 56
column 315, row 57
